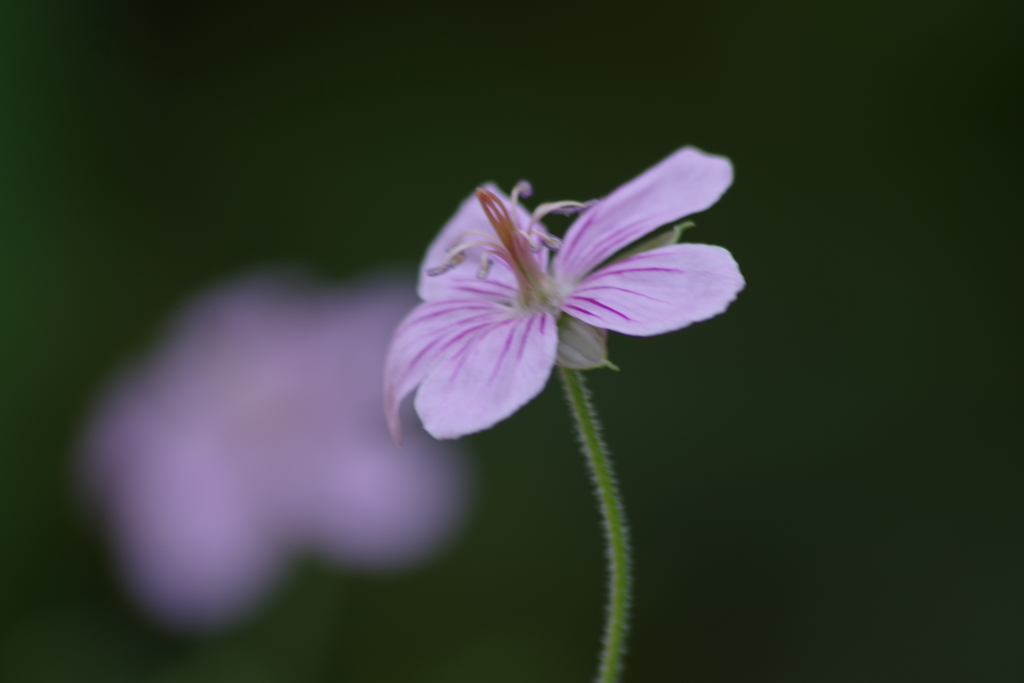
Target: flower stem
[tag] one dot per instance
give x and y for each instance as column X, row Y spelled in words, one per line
column 614, row 525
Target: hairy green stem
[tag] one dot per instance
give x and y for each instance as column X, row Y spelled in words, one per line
column 614, row 525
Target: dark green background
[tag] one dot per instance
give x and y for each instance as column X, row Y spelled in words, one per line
column 824, row 484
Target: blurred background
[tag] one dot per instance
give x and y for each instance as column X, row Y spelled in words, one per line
column 824, row 484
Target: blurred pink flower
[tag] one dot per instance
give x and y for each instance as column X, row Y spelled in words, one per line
column 486, row 338
column 254, row 432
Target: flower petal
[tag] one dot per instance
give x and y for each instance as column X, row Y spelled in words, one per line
column 686, row 182
column 658, row 291
column 428, row 335
column 462, row 281
column 489, row 377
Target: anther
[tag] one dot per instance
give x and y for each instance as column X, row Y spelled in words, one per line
column 550, row 241
column 440, row 270
column 449, row 263
column 485, row 266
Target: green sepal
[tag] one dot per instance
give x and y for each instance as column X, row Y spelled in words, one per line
column 663, row 238
column 581, row 346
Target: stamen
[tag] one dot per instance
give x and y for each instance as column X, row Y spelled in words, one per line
column 476, row 233
column 441, row 269
column 458, row 251
column 535, row 248
column 522, row 189
column 566, row 208
column 456, row 255
column 590, row 203
column 485, row 266
column 550, row 241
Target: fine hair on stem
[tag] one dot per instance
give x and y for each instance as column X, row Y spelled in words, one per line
column 614, row 522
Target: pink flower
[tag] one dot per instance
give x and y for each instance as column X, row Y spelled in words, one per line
column 498, row 313
column 254, row 432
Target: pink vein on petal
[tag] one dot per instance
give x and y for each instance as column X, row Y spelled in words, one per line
column 577, row 308
column 504, row 352
column 474, row 331
column 620, row 289
column 419, row 356
column 642, row 270
column 598, row 303
column 484, row 292
column 443, row 311
column 673, row 287
column 463, row 353
column 526, row 337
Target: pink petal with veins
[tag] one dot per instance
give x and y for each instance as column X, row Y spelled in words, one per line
column 491, row 374
column 429, row 335
column 658, row 291
column 686, row 182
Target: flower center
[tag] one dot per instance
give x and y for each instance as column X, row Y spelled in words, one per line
column 516, row 246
